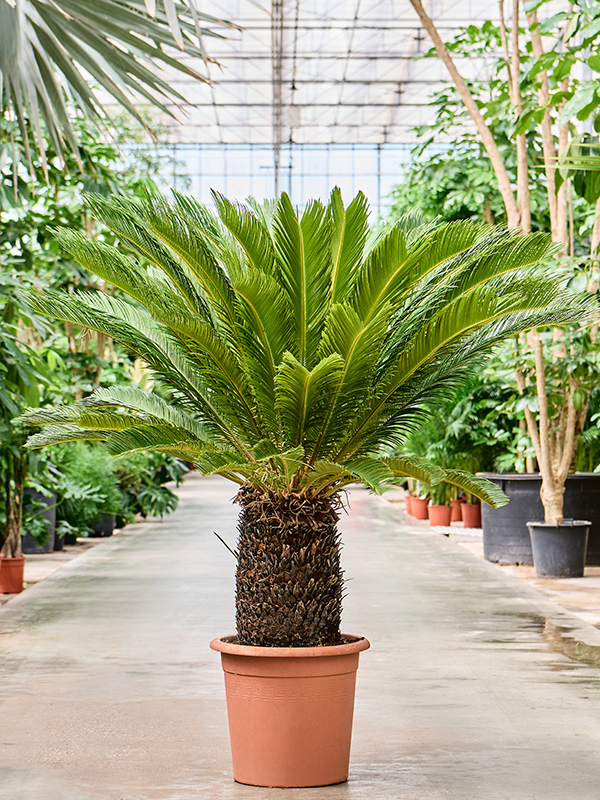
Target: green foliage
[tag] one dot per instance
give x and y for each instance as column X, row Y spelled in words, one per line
column 141, row 480
column 454, row 183
column 86, row 484
column 481, row 428
column 34, row 521
column 277, row 386
column 450, row 175
column 441, row 494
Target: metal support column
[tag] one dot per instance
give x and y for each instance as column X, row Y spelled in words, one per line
column 277, row 78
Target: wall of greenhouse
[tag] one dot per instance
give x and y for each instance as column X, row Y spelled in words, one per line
column 307, row 171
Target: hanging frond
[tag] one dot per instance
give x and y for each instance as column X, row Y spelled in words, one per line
column 483, row 489
column 153, row 437
column 145, row 403
column 65, row 433
column 412, row 467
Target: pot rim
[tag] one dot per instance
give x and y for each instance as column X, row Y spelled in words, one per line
column 527, row 476
column 566, row 523
column 14, row 558
column 227, row 644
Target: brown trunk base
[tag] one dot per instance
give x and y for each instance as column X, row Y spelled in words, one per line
column 289, row 582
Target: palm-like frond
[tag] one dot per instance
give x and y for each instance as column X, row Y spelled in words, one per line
column 49, row 47
column 349, row 235
column 295, row 357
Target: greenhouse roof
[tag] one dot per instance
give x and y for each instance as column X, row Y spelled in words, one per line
column 320, row 72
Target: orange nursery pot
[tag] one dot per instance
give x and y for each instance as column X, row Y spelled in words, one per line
column 440, row 515
column 408, row 503
column 471, row 514
column 290, row 711
column 419, row 507
column 456, row 507
column 11, row 575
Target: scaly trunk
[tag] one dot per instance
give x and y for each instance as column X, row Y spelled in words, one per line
column 289, row 583
column 13, row 486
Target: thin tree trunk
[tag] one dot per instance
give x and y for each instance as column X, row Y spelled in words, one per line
column 546, row 449
column 513, row 67
column 289, row 583
column 546, row 126
column 512, row 212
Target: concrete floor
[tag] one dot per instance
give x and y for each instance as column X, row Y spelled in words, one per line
column 476, row 687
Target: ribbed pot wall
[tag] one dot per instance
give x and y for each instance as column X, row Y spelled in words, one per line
column 290, row 711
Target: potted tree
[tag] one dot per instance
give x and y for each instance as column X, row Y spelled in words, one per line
column 22, row 375
column 292, row 359
column 548, row 98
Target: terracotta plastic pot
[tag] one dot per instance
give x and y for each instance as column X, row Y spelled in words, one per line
column 419, row 507
column 471, row 514
column 11, row 575
column 455, row 505
column 408, row 503
column 290, row 711
column 440, row 515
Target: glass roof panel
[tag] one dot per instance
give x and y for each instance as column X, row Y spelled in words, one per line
column 319, row 71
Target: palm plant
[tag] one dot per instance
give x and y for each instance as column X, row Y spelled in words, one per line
column 294, row 359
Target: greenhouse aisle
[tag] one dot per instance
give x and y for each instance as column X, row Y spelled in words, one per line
column 110, row 692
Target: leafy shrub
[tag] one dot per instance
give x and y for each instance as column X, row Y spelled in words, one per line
column 141, row 477
column 86, row 484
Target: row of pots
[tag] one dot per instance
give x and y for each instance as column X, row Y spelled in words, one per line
column 12, row 569
column 104, row 527
column 444, row 515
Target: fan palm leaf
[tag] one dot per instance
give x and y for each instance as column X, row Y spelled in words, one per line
column 48, row 48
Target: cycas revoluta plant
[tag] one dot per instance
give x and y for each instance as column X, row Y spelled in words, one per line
column 294, row 360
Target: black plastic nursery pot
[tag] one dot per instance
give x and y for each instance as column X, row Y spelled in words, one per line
column 28, row 543
column 506, row 538
column 104, row 527
column 559, row 550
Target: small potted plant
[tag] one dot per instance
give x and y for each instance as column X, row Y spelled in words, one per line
column 471, row 511
column 440, row 511
column 420, row 501
column 292, row 359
